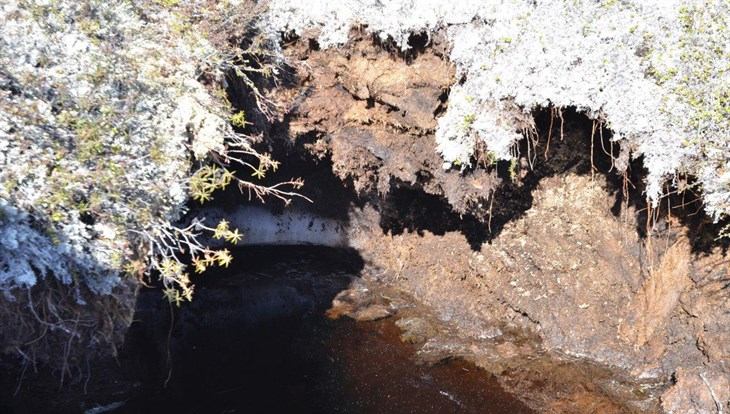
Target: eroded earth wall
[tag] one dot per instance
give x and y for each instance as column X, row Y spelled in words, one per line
column 551, row 248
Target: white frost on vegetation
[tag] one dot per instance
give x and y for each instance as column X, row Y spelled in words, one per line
column 656, row 72
column 100, row 111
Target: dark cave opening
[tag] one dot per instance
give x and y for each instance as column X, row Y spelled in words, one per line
column 234, row 347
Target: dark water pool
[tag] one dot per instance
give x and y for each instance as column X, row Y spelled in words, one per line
column 326, row 366
column 258, row 341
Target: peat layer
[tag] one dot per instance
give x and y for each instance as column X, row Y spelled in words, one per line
column 552, row 255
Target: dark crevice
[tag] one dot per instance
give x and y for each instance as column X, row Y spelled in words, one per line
column 687, row 207
column 406, row 208
column 409, row 208
column 418, row 44
column 418, row 41
column 441, row 108
column 629, row 188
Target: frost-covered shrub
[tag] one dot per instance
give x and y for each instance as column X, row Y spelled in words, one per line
column 657, row 73
column 93, row 140
column 107, row 110
column 112, row 115
column 26, row 253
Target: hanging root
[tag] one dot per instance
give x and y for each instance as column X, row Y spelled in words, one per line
column 530, row 134
column 562, row 121
column 718, row 404
column 603, row 146
column 593, row 133
column 491, row 205
column 550, row 132
column 63, row 326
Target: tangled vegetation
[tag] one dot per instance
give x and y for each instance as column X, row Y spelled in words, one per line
column 113, row 115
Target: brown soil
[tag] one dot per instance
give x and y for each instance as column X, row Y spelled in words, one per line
column 548, row 260
column 374, row 115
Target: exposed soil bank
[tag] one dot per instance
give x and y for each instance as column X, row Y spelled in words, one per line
column 555, row 247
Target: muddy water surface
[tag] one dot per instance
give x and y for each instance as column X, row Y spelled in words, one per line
column 366, row 368
column 256, row 339
column 259, row 341
column 342, row 367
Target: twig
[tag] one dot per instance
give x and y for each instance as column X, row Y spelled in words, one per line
column 593, row 133
column 491, row 204
column 67, row 354
column 26, row 361
column 550, row 132
column 88, row 376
